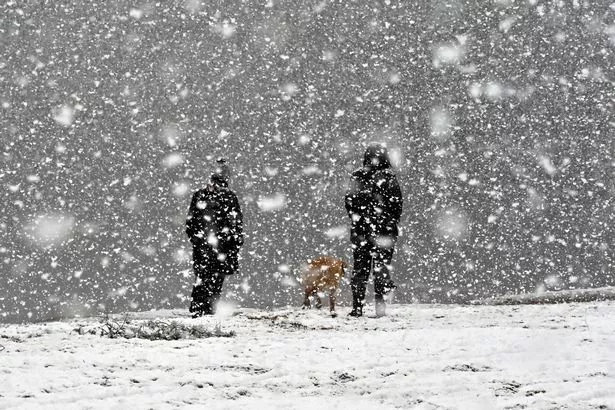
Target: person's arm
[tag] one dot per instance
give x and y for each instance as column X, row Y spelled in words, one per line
column 234, row 218
column 191, row 223
column 395, row 198
column 348, row 201
column 351, row 199
column 238, row 217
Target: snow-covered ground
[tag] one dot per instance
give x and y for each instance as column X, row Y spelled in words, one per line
column 559, row 296
column 419, row 356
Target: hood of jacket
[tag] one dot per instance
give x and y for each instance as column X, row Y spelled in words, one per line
column 376, row 157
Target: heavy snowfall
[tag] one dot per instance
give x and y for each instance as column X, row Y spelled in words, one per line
column 499, row 119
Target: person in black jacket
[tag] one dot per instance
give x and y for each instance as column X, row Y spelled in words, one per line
column 215, row 228
column 374, row 204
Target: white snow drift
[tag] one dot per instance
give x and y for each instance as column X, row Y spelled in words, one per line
column 418, row 357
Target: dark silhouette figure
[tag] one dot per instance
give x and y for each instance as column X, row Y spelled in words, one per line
column 374, row 205
column 215, row 228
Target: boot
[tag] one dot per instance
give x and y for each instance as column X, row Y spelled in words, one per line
column 380, row 306
column 358, row 295
column 357, row 308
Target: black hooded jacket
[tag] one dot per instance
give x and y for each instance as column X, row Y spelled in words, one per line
column 374, row 202
column 360, row 207
column 215, row 210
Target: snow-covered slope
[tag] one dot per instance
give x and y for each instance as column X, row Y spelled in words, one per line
column 420, row 356
column 560, row 296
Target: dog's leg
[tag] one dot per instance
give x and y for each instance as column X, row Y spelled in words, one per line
column 332, row 293
column 306, row 300
column 318, row 300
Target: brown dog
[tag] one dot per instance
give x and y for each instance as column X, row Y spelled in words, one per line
column 322, row 274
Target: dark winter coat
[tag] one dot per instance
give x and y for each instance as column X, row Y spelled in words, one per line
column 215, row 220
column 360, row 207
column 374, row 201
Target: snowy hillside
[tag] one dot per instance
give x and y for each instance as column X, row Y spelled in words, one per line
column 420, row 356
column 498, row 116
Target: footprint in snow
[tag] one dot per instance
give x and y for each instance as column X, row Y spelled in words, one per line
column 466, row 368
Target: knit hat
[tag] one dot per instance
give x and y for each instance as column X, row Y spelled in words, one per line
column 221, row 173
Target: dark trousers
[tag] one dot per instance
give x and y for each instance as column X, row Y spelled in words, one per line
column 210, row 271
column 366, row 257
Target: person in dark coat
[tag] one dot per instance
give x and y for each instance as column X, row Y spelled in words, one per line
column 374, row 204
column 215, row 228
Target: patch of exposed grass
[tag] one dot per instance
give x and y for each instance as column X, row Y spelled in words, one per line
column 151, row 330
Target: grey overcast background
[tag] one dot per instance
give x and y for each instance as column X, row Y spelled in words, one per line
column 499, row 116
